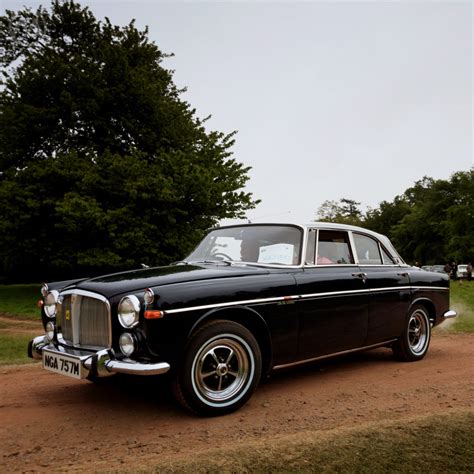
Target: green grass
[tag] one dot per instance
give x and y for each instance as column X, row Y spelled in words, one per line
column 20, row 300
column 14, row 349
column 462, row 301
column 437, row 443
column 17, row 302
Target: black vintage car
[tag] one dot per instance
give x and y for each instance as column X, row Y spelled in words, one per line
column 248, row 300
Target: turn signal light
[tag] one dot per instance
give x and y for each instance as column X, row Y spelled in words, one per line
column 149, row 314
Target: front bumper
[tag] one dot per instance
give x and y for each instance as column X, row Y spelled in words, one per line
column 95, row 364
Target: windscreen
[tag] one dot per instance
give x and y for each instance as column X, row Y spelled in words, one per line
column 263, row 244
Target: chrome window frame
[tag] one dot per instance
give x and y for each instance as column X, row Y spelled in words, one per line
column 378, row 244
column 333, row 265
column 356, row 263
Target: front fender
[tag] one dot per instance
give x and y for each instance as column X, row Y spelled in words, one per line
column 249, row 318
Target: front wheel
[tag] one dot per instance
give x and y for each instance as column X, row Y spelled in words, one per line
column 221, row 368
column 415, row 340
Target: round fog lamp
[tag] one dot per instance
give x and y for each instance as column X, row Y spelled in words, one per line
column 127, row 343
column 50, row 330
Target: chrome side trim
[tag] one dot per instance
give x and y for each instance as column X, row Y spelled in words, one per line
column 430, row 288
column 300, row 297
column 333, row 293
column 440, row 288
column 450, row 314
column 231, row 303
column 327, row 356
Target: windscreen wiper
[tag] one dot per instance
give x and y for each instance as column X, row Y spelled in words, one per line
column 227, row 262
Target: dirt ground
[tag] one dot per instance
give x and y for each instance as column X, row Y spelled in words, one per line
column 49, row 422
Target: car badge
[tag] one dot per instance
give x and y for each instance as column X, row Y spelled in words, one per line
column 68, row 315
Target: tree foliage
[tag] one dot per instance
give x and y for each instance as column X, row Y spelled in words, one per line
column 431, row 222
column 346, row 211
column 102, row 164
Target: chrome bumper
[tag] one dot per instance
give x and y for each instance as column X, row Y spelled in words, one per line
column 96, row 364
column 449, row 314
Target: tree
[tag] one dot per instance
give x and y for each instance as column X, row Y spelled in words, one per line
column 346, row 211
column 458, row 226
column 388, row 214
column 102, row 164
column 432, row 221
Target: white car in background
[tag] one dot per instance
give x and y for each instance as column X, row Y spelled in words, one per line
column 462, row 270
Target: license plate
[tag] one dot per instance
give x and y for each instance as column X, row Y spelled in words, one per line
column 62, row 364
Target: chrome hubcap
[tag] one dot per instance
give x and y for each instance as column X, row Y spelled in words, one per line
column 417, row 332
column 220, row 369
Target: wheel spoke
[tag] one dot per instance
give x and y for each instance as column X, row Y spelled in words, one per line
column 231, row 354
column 214, row 356
column 204, row 375
column 219, row 386
column 234, row 373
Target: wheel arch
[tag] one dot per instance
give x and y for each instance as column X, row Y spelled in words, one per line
column 248, row 318
column 428, row 305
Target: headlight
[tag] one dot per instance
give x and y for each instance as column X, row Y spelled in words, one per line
column 50, row 303
column 127, row 343
column 50, row 330
column 128, row 311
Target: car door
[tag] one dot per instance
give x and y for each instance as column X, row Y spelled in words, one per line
column 333, row 303
column 389, row 286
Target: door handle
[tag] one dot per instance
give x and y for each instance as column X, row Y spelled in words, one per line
column 403, row 274
column 361, row 275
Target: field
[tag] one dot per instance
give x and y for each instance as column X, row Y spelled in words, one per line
column 20, row 300
column 462, row 298
column 364, row 413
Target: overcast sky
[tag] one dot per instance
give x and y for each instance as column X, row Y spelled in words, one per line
column 330, row 99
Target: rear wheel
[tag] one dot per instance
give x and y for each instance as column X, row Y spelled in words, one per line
column 415, row 340
column 220, row 370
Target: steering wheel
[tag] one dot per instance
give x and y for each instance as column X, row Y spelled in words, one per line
column 222, row 255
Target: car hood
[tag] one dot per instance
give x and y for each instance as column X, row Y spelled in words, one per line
column 135, row 280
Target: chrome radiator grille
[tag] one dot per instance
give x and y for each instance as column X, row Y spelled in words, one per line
column 84, row 320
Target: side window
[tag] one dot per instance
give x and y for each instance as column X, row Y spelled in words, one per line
column 387, row 259
column 333, row 248
column 367, row 250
